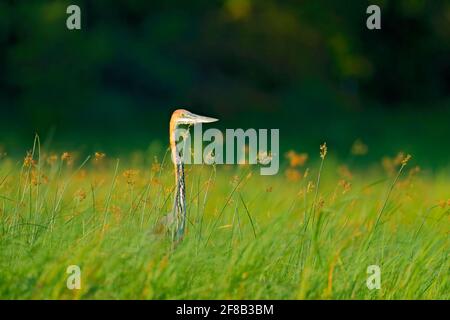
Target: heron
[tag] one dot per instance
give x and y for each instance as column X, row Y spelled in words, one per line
column 178, row 214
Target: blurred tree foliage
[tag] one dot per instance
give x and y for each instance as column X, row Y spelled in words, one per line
column 247, row 60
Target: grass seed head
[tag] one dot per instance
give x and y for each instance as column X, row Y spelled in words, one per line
column 306, row 173
column 28, row 161
column 320, row 203
column 98, row 156
column 346, row 186
column 310, row 187
column 66, row 157
column 323, row 150
column 406, row 159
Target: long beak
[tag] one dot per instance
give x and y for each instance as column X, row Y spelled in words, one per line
column 195, row 118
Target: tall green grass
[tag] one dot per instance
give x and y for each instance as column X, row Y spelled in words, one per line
column 249, row 236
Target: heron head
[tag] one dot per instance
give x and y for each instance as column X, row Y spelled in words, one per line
column 182, row 116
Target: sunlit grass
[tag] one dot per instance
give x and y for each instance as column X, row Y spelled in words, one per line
column 292, row 236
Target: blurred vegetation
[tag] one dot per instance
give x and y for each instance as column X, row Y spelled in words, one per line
column 310, row 68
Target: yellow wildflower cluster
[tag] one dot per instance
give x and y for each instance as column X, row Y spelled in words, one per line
column 444, row 203
column 131, row 176
column 345, row 185
column 36, row 179
column 156, row 166
column 98, row 156
column 80, row 195
column 295, row 160
column 390, row 164
column 52, row 159
column 359, row 148
column 67, row 158
column 28, row 161
column 293, row 174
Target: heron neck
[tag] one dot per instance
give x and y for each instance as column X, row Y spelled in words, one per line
column 173, row 145
column 179, row 202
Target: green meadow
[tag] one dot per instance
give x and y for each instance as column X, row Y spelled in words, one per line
column 310, row 232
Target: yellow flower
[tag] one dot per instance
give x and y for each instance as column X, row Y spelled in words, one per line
column 80, row 195
column 36, row 180
column 82, row 174
column 155, row 181
column 156, row 166
column 296, row 159
column 52, row 159
column 130, row 176
column 346, row 186
column 28, row 161
column 320, row 203
column 44, row 179
column 414, row 171
column 66, row 156
column 293, row 175
column 444, row 203
column 390, row 164
column 98, row 156
column 359, row 148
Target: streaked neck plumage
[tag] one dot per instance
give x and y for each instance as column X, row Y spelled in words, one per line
column 179, row 205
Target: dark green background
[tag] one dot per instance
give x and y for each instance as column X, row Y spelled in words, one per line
column 310, row 68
